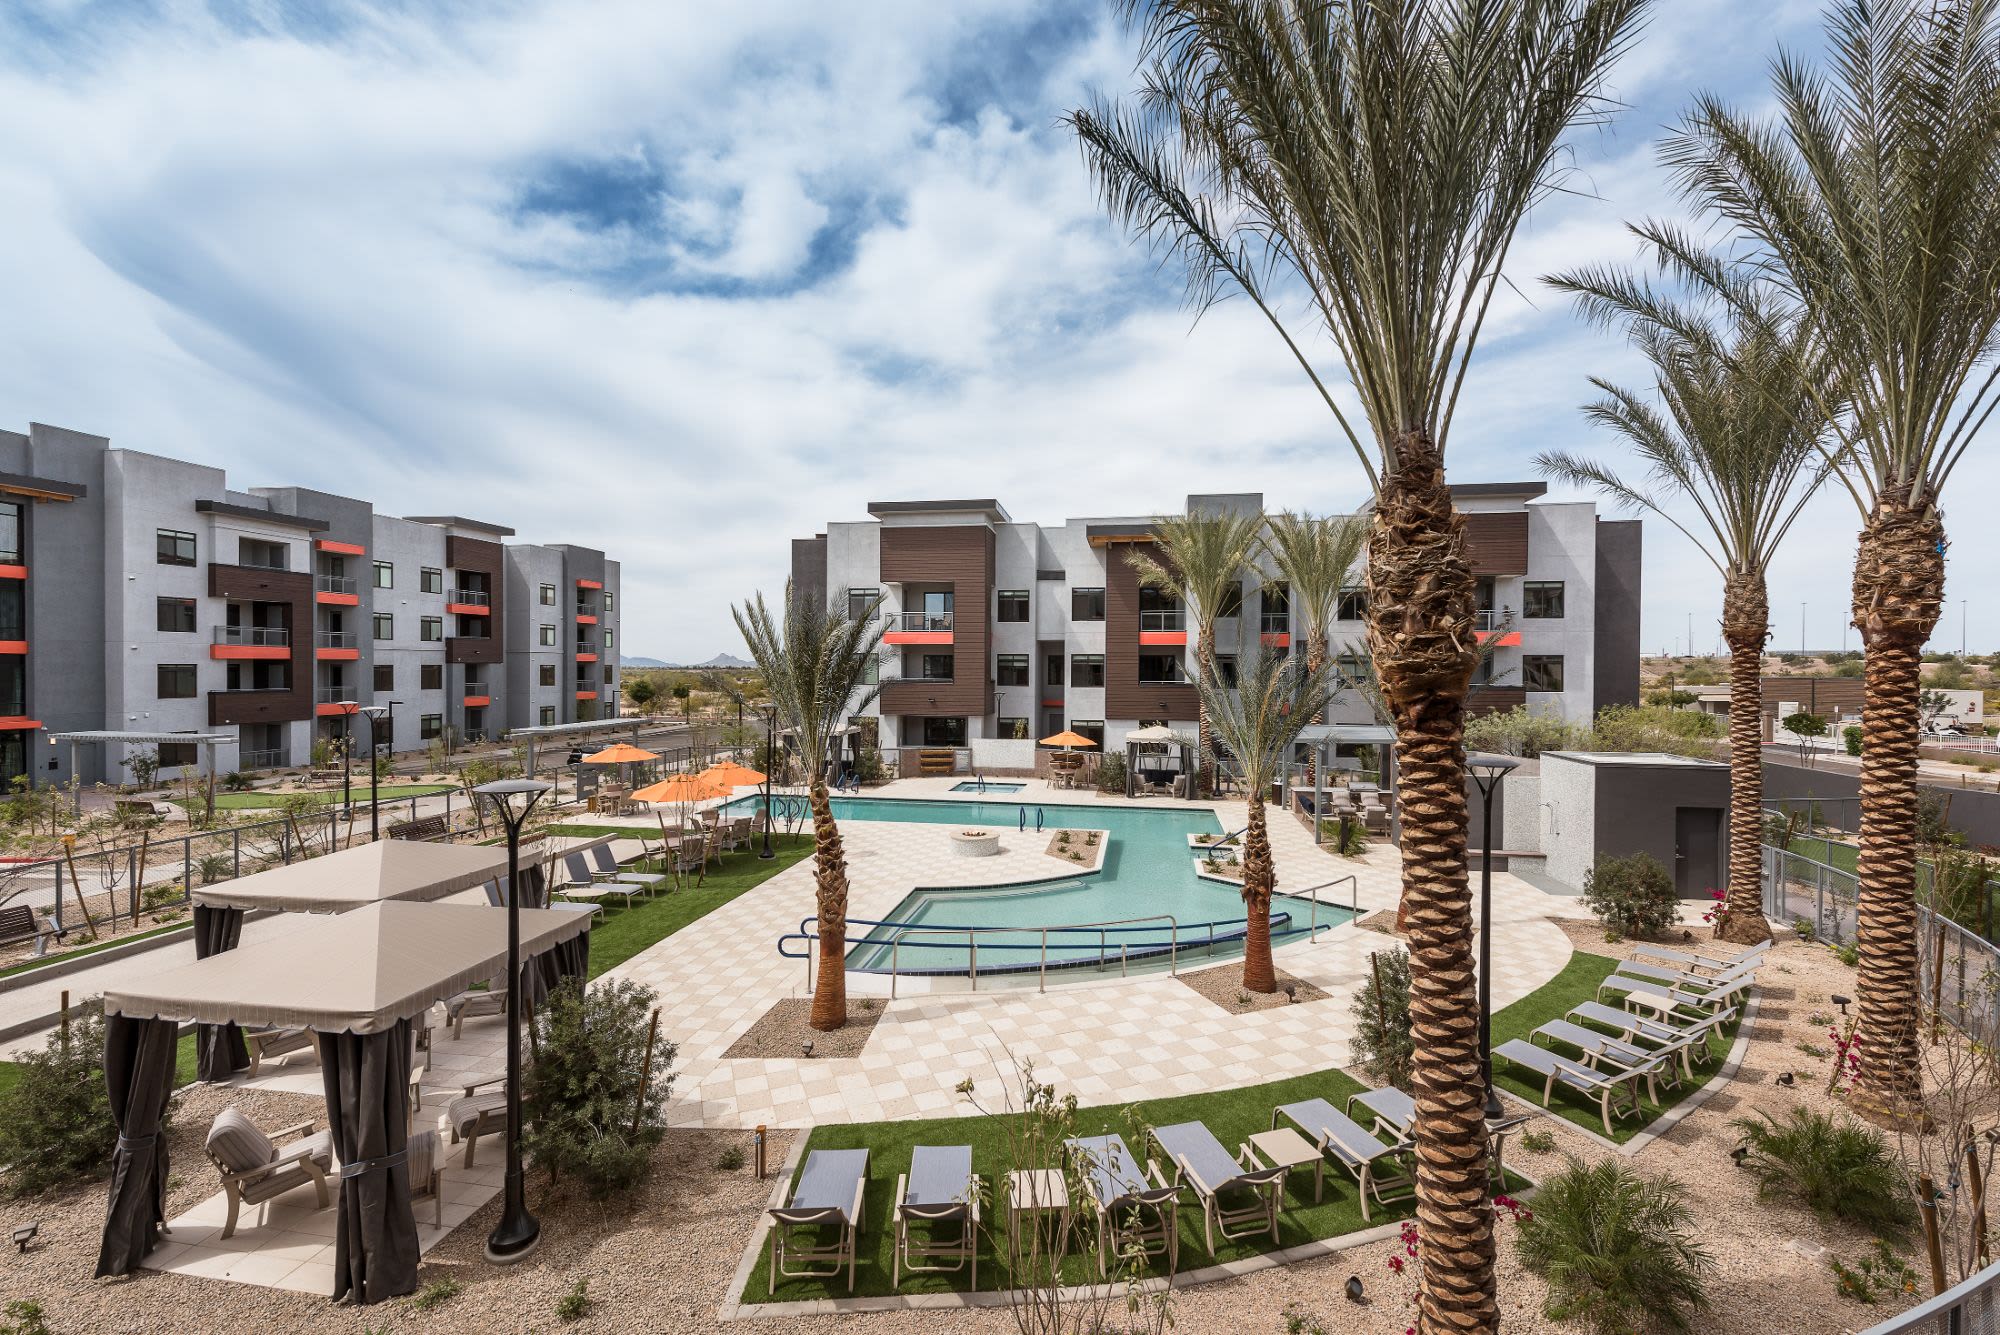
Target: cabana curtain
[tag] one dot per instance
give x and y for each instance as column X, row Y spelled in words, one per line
column 375, row 1249
column 139, row 1072
column 219, row 1048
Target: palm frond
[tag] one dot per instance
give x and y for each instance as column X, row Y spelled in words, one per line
column 815, row 661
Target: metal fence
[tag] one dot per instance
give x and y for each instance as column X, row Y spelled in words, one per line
column 1970, row 1308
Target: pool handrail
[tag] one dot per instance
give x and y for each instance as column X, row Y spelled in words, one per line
column 1313, row 890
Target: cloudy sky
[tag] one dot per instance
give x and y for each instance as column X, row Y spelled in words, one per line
column 685, row 281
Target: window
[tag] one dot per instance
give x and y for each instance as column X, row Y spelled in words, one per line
column 861, row 603
column 1011, row 670
column 610, row 639
column 1352, row 605
column 175, row 548
column 1093, row 728
column 1353, row 668
column 1277, row 613
column 609, row 602
column 1052, row 673
column 385, row 575
column 179, row 755
column 944, row 732
column 429, row 580
column 935, row 667
column 1013, row 604
column 262, row 554
column 1086, row 604
column 1542, row 598
column 10, row 532
column 547, row 675
column 547, row 715
column 1014, row 729
column 385, row 626
column 1161, row 670
column 1542, row 672
column 176, row 681
column 177, row 615
column 430, row 628
column 548, row 598
column 1086, row 670
column 430, row 676
column 871, row 671
column 430, row 726
column 14, row 615
column 548, row 637
column 1225, row 670
column 385, row 679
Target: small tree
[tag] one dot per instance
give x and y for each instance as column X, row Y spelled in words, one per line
column 595, row 1097
column 1382, row 1043
column 1805, row 728
column 682, row 693
column 641, row 691
column 55, row 1122
column 1632, row 896
column 145, row 767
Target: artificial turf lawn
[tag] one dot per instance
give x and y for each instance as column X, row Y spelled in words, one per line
column 184, row 1067
column 258, row 801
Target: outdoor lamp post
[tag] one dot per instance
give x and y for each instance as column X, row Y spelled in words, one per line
column 374, row 713
column 770, row 763
column 517, row 1232
column 1487, row 772
column 347, row 709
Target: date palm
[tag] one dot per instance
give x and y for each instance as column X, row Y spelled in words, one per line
column 1201, row 563
column 1871, row 199
column 1315, row 557
column 1735, row 433
column 1259, row 721
column 815, row 667
column 1376, row 157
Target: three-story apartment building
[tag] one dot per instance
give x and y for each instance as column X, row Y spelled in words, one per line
column 1006, row 630
column 143, row 594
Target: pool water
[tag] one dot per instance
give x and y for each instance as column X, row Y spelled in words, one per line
column 986, row 786
column 1148, row 871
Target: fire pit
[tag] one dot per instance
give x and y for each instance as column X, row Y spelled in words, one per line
column 975, row 843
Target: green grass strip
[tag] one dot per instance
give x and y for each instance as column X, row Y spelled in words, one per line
column 29, row 966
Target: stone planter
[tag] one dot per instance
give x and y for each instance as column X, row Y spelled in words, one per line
column 975, row 843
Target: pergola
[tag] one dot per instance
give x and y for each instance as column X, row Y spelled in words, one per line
column 209, row 740
column 1324, row 738
column 1164, row 741
column 566, row 731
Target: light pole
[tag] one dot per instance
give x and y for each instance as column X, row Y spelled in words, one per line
column 1961, row 627
column 1487, row 772
column 1802, row 630
column 770, row 763
column 347, row 708
column 373, row 713
column 518, row 1231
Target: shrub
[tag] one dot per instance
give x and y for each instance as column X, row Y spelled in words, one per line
column 436, row 1294
column 1349, row 838
column 236, row 781
column 575, row 1304
column 1850, row 737
column 582, row 1092
column 1616, row 1249
column 730, row 1159
column 1111, row 774
column 1632, row 896
column 1834, row 1166
column 1538, row 1141
column 1880, row 1275
column 55, row 1123
column 1382, row 1043
column 25, row 1317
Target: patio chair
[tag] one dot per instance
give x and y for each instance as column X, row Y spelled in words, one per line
column 690, row 859
column 424, row 1157
column 474, row 1113
column 1372, row 1164
column 831, row 1190
column 1394, row 1111
column 578, row 883
column 611, row 871
column 1602, row 1051
column 1554, row 1068
column 1200, row 1159
column 1710, row 961
column 939, row 1190
column 268, row 1043
column 474, row 1003
column 1691, row 1040
column 1665, row 998
column 256, row 1170
column 1134, row 1213
column 1681, row 978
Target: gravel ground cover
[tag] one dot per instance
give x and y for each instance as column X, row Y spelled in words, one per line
column 1223, row 985
column 783, row 1030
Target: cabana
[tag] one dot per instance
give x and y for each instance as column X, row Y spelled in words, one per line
column 1175, row 757
column 1325, row 739
column 359, row 981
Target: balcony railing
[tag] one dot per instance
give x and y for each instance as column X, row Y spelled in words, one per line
column 261, row 562
column 1174, row 678
column 1175, row 619
column 918, row 620
column 1488, row 619
column 338, row 639
column 472, row 597
column 334, row 584
column 273, row 636
column 1275, row 623
column 254, row 690
column 261, row 759
column 332, row 695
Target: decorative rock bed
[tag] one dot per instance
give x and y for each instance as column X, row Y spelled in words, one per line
column 975, row 843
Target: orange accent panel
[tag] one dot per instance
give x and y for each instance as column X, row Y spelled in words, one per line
column 13, row 646
column 586, row 658
column 1509, row 640
column 13, row 572
column 330, row 655
column 340, row 548
column 585, row 619
column 269, row 653
column 337, row 599
column 15, row 723
column 468, row 610
column 1163, row 637
column 331, row 710
column 1278, row 639
column 588, row 584
column 917, row 637
column 478, row 701
column 586, row 695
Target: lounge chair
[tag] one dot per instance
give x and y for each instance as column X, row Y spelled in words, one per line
column 255, row 1169
column 1200, row 1159
column 1602, row 1051
column 479, row 1111
column 1394, row 1111
column 268, row 1043
column 1554, row 1068
column 1364, row 1157
column 940, row 1189
column 831, row 1190
column 1690, row 1040
column 1665, row 998
column 1682, row 978
column 1123, row 1200
column 1697, row 959
column 472, row 1004
column 610, row 871
column 581, row 883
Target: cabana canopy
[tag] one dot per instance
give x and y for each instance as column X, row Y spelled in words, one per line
column 364, row 874
column 360, row 972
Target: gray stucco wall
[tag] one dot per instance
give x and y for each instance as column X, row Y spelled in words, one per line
column 1637, row 812
column 64, row 548
column 1619, row 548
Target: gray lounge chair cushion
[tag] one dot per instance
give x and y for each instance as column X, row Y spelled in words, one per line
column 1324, row 1123
column 1196, row 1151
column 1114, row 1173
column 235, row 1141
column 828, row 1181
column 940, row 1181
column 1392, row 1105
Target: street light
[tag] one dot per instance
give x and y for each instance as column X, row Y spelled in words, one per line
column 347, row 710
column 517, row 1232
column 374, row 714
column 1487, row 772
column 770, row 763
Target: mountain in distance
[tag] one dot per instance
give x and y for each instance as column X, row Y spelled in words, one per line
column 629, row 660
column 726, row 660
column 719, row 661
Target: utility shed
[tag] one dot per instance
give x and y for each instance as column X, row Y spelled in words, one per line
column 1615, row 804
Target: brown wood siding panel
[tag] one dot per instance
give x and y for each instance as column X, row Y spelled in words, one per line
column 1497, row 543
column 960, row 555
column 1124, row 697
column 1824, row 696
column 292, row 590
column 1495, row 699
column 479, row 557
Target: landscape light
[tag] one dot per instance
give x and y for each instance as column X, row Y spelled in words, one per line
column 24, row 1235
column 1354, row 1288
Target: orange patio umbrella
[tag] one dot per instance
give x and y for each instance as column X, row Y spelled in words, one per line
column 1067, row 739
column 619, row 753
column 681, row 788
column 731, row 773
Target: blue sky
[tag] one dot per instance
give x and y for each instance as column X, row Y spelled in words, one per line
column 685, row 281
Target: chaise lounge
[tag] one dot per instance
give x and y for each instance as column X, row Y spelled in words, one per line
column 940, row 1189
column 1124, row 1200
column 1353, row 1148
column 1554, row 1068
column 831, row 1190
column 1200, row 1159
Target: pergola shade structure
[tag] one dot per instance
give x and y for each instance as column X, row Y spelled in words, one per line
column 359, row 980
column 1324, row 738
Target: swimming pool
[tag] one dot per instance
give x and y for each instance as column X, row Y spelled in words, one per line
column 1148, row 872
column 986, row 786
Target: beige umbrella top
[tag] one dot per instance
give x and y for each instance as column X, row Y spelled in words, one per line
column 357, row 973
column 364, row 874
column 1156, row 733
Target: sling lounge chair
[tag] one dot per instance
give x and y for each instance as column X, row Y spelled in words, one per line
column 1372, row 1164
column 1200, row 1160
column 1133, row 1211
column 256, row 1170
column 1665, row 998
column 1603, row 1086
column 266, row 1043
column 1681, row 978
column 1394, row 1111
column 612, row 872
column 938, row 1194
column 582, row 884
column 830, row 1192
column 1690, row 1040
column 1710, row 961
column 1601, row 1051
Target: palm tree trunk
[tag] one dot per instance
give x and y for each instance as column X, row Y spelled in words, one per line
column 1315, row 660
column 829, row 1008
column 1204, row 666
column 1746, row 617
column 1421, row 604
column 1259, row 880
column 1898, row 594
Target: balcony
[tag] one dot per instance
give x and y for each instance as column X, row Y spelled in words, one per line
column 1275, row 629
column 1492, row 627
column 470, row 603
column 471, row 649
column 256, row 704
column 1176, row 677
column 1165, row 627
column 336, row 590
column 917, row 628
column 248, row 760
column 238, row 643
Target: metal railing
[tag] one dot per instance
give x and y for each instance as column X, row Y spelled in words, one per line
column 1173, row 620
column 1177, row 677
column 265, row 635
column 1970, row 1308
column 332, row 695
column 334, row 584
column 471, row 597
column 918, row 620
column 252, row 689
column 338, row 639
column 272, row 759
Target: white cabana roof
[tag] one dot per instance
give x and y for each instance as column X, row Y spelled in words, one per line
column 364, row 874
column 358, row 973
column 1156, row 733
column 1348, row 734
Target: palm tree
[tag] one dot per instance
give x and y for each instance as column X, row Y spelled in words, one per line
column 1870, row 202
column 1315, row 558
column 1736, row 434
column 815, row 668
column 1259, row 721
column 1378, row 155
column 1203, row 561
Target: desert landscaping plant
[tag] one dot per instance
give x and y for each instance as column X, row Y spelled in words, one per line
column 1833, row 1165
column 55, row 1121
column 594, row 1098
column 1632, row 896
column 1381, row 1008
column 1617, row 1248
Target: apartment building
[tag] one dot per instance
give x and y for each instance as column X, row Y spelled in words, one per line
column 1003, row 631
column 144, row 594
